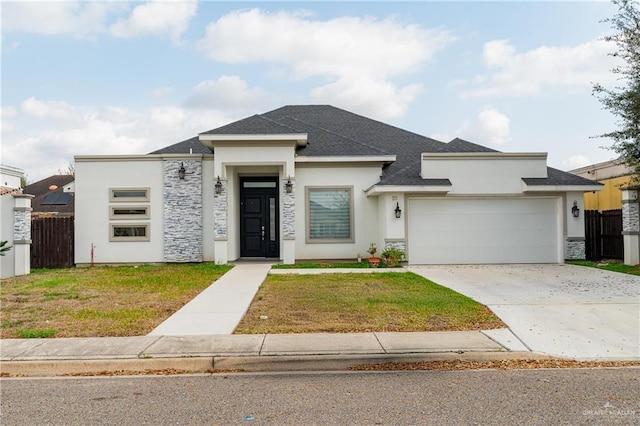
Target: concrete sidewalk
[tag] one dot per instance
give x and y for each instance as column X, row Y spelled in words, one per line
column 47, row 357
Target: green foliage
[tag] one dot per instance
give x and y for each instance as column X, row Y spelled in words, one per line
column 35, row 334
column 624, row 101
column 609, row 266
column 320, row 265
column 393, row 256
column 4, row 248
column 393, row 301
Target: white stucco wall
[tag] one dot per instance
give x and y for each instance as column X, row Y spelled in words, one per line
column 499, row 173
column 365, row 214
column 10, row 176
column 208, row 182
column 94, row 178
column 7, row 262
column 574, row 226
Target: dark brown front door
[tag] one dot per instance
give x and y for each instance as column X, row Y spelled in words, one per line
column 259, row 232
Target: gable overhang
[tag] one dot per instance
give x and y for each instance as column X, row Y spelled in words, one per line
column 212, row 140
column 382, row 160
column 532, row 189
column 376, row 190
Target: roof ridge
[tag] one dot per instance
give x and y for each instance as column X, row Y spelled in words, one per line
column 338, row 134
column 275, row 122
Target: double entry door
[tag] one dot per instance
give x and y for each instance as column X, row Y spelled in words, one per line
column 259, row 230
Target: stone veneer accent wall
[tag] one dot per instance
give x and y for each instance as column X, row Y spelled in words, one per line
column 288, row 211
column 630, row 216
column 22, row 225
column 220, row 216
column 182, row 211
column 399, row 244
column 575, row 248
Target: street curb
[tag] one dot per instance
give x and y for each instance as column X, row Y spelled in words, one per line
column 52, row 368
column 342, row 362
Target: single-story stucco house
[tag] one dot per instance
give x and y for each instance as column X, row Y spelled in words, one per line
column 319, row 182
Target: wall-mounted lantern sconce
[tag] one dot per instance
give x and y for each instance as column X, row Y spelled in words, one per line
column 218, row 186
column 575, row 210
column 398, row 211
column 182, row 172
column 288, row 186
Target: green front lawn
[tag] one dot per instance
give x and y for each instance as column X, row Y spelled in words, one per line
column 99, row 301
column 361, row 302
column 609, row 266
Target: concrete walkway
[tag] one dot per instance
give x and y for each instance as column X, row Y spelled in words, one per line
column 220, row 307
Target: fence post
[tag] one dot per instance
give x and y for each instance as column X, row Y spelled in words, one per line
column 22, row 233
column 631, row 225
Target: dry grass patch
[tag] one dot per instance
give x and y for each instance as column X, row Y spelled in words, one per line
column 101, row 301
column 345, row 303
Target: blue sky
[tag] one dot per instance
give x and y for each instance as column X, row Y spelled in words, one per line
column 132, row 77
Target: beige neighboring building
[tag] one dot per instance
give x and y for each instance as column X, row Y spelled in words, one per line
column 613, row 176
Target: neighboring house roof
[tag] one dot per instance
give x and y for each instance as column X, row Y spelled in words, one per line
column 46, row 200
column 333, row 131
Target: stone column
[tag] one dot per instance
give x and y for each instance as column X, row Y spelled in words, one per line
column 631, row 226
column 182, row 211
column 221, row 222
column 22, row 233
column 288, row 221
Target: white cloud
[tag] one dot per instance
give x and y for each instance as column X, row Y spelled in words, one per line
column 92, row 18
column 157, row 17
column 490, row 128
column 493, row 127
column 49, row 109
column 80, row 19
column 576, row 161
column 368, row 96
column 225, row 92
column 359, row 55
column 47, row 134
column 8, row 111
column 523, row 74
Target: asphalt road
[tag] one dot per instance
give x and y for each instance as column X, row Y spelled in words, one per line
column 564, row 396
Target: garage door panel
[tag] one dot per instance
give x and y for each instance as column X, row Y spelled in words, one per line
column 483, row 231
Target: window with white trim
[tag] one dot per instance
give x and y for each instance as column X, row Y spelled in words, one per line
column 127, row 195
column 121, row 214
column 329, row 214
column 129, row 212
column 133, row 232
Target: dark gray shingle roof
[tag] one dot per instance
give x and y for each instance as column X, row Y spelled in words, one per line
column 192, row 145
column 558, row 177
column 254, row 125
column 333, row 131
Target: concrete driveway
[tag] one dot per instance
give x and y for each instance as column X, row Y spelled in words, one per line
column 561, row 310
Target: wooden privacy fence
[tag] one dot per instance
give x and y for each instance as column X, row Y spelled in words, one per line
column 52, row 242
column 603, row 232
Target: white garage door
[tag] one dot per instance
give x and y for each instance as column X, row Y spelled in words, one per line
column 499, row 230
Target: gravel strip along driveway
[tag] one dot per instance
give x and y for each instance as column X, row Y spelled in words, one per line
column 561, row 310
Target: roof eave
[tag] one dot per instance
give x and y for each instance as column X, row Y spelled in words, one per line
column 561, row 188
column 377, row 190
column 378, row 159
column 210, row 140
